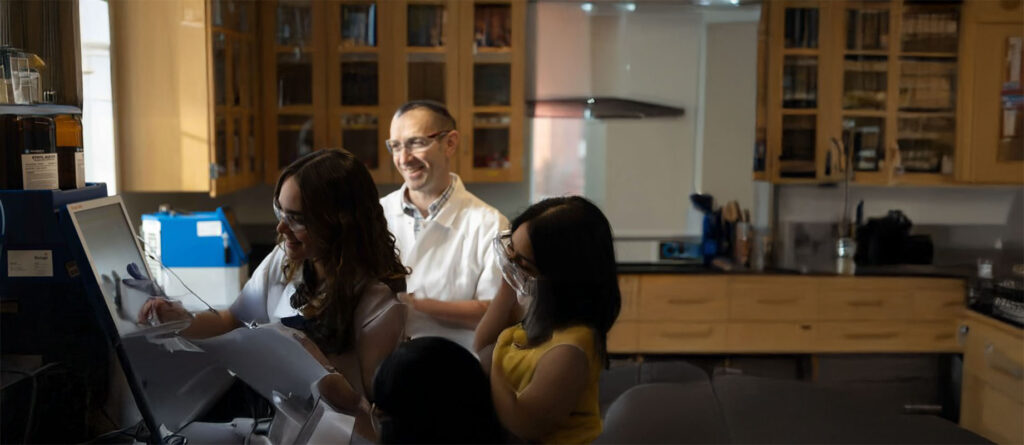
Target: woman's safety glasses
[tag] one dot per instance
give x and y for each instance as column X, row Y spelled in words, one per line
column 521, row 281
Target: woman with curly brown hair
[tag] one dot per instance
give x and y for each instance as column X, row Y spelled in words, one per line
column 334, row 274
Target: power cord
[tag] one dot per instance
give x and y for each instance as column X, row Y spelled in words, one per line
column 180, row 281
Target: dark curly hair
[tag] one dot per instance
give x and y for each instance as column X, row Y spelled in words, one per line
column 350, row 236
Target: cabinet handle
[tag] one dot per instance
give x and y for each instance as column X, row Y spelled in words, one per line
column 961, row 334
column 872, row 336
column 865, row 303
column 688, row 300
column 1000, row 362
column 706, row 332
column 777, row 300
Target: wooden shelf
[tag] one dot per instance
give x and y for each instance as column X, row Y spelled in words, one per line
column 867, row 52
column 295, row 109
column 358, row 49
column 491, row 126
column 930, row 55
column 799, row 111
column 426, row 49
column 359, row 127
column 927, row 114
column 881, row 178
column 505, row 109
column 801, row 51
column 492, row 50
column 339, row 110
column 865, row 113
column 291, row 49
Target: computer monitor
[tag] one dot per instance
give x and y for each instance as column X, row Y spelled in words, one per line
column 168, row 388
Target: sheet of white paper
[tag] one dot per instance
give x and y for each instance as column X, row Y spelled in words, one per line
column 267, row 359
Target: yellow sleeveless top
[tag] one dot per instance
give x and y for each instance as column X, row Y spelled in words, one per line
column 584, row 423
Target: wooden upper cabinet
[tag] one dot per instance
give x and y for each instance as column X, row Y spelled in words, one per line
column 186, row 88
column 492, row 53
column 865, row 88
column 992, row 135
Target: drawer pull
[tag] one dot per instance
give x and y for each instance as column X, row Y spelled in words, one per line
column 865, row 303
column 777, row 300
column 961, row 334
column 1000, row 362
column 872, row 336
column 688, row 300
column 706, row 332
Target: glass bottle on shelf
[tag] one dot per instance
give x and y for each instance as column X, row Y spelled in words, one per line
column 70, row 153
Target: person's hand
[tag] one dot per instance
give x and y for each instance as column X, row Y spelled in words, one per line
column 408, row 298
column 159, row 309
column 140, row 282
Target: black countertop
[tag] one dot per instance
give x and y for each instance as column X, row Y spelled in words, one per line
column 904, row 270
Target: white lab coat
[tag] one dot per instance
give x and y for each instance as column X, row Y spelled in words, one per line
column 266, row 297
column 452, row 260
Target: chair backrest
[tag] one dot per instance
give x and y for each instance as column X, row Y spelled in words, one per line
column 681, row 413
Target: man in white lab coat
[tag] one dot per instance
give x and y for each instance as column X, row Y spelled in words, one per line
column 443, row 232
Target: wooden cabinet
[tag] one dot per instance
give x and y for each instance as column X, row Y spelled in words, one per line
column 866, row 88
column 492, row 79
column 666, row 313
column 993, row 379
column 185, row 80
column 992, row 133
column 343, row 67
column 218, row 95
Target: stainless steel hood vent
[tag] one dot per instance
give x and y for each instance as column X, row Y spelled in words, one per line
column 599, row 108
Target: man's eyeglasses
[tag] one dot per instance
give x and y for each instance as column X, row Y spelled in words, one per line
column 292, row 220
column 415, row 144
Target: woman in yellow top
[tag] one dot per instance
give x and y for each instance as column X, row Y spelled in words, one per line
column 559, row 264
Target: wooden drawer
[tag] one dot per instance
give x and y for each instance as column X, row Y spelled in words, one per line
column 629, row 287
column 886, row 337
column 770, row 337
column 997, row 358
column 681, row 297
column 936, row 299
column 773, row 298
column 862, row 298
column 622, row 338
column 681, row 337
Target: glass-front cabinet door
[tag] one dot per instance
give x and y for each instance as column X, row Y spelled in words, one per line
column 359, row 112
column 293, row 81
column 236, row 154
column 927, row 92
column 898, row 95
column 797, row 75
column 491, row 79
column 996, row 125
column 866, row 50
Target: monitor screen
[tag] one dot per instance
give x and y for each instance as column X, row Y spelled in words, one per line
column 109, row 242
column 171, row 382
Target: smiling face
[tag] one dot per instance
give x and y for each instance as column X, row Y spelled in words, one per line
column 424, row 171
column 298, row 243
